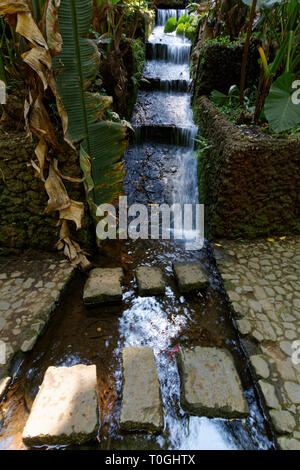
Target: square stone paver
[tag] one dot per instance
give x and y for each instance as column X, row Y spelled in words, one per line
column 65, row 409
column 150, row 280
column 141, row 400
column 210, row 385
column 190, row 276
column 103, row 285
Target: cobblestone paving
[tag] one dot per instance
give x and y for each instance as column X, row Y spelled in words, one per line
column 262, row 283
column 30, row 288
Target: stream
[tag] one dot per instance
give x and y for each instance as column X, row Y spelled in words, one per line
column 161, row 168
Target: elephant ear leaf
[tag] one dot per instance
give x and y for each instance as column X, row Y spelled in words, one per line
column 280, row 110
column 76, row 67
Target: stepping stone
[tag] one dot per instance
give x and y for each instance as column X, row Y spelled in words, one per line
column 141, row 402
column 103, row 285
column 210, row 385
column 150, row 280
column 65, row 409
column 190, row 277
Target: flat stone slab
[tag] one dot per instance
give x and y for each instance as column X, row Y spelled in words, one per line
column 210, row 385
column 65, row 409
column 190, row 276
column 141, row 402
column 103, row 285
column 150, row 280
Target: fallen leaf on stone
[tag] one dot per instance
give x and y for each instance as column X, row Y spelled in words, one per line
column 282, row 238
column 218, row 244
column 98, row 329
column 271, row 240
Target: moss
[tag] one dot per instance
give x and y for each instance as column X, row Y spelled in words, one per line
column 250, row 188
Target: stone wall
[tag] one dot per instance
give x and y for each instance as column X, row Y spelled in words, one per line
column 250, row 186
column 23, row 199
column 217, row 66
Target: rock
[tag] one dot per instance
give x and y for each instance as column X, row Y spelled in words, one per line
column 288, row 444
column 150, row 280
column 141, row 400
column 4, row 305
column 260, row 366
column 270, row 395
column 27, row 345
column 283, row 420
column 286, row 370
column 293, row 392
column 4, row 385
column 286, row 347
column 2, row 323
column 210, row 385
column 103, row 285
column 65, row 409
column 190, row 276
column 244, row 326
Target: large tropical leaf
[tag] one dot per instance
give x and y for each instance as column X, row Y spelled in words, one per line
column 281, row 113
column 76, row 67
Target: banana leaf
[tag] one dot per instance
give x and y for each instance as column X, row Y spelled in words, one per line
column 76, row 67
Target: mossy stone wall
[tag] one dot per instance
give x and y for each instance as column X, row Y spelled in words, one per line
column 23, row 199
column 250, row 187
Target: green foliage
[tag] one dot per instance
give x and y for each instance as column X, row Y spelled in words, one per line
column 102, row 142
column 184, row 19
column 281, row 113
column 180, row 29
column 170, row 25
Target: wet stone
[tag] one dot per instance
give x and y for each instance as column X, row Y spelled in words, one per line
column 293, row 392
column 190, row 277
column 65, row 409
column 289, row 444
column 150, row 280
column 141, row 400
column 4, row 385
column 260, row 366
column 210, row 385
column 283, row 421
column 269, row 393
column 103, row 285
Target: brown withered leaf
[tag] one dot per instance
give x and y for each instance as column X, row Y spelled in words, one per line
column 40, row 61
column 54, row 39
column 13, row 7
column 27, row 27
column 58, row 196
column 41, row 152
column 40, row 124
column 65, row 177
column 73, row 212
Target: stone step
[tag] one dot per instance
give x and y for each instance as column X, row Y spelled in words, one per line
column 141, row 401
column 150, row 280
column 65, row 409
column 103, row 285
column 210, row 385
column 165, row 134
column 155, row 83
column 190, row 276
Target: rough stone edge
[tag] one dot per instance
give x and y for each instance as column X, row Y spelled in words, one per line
column 280, row 437
column 151, row 291
column 103, row 298
column 4, row 384
column 47, row 315
column 202, row 286
column 74, row 438
column 203, row 410
column 133, row 426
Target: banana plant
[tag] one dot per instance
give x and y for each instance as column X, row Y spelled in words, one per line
column 102, row 142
